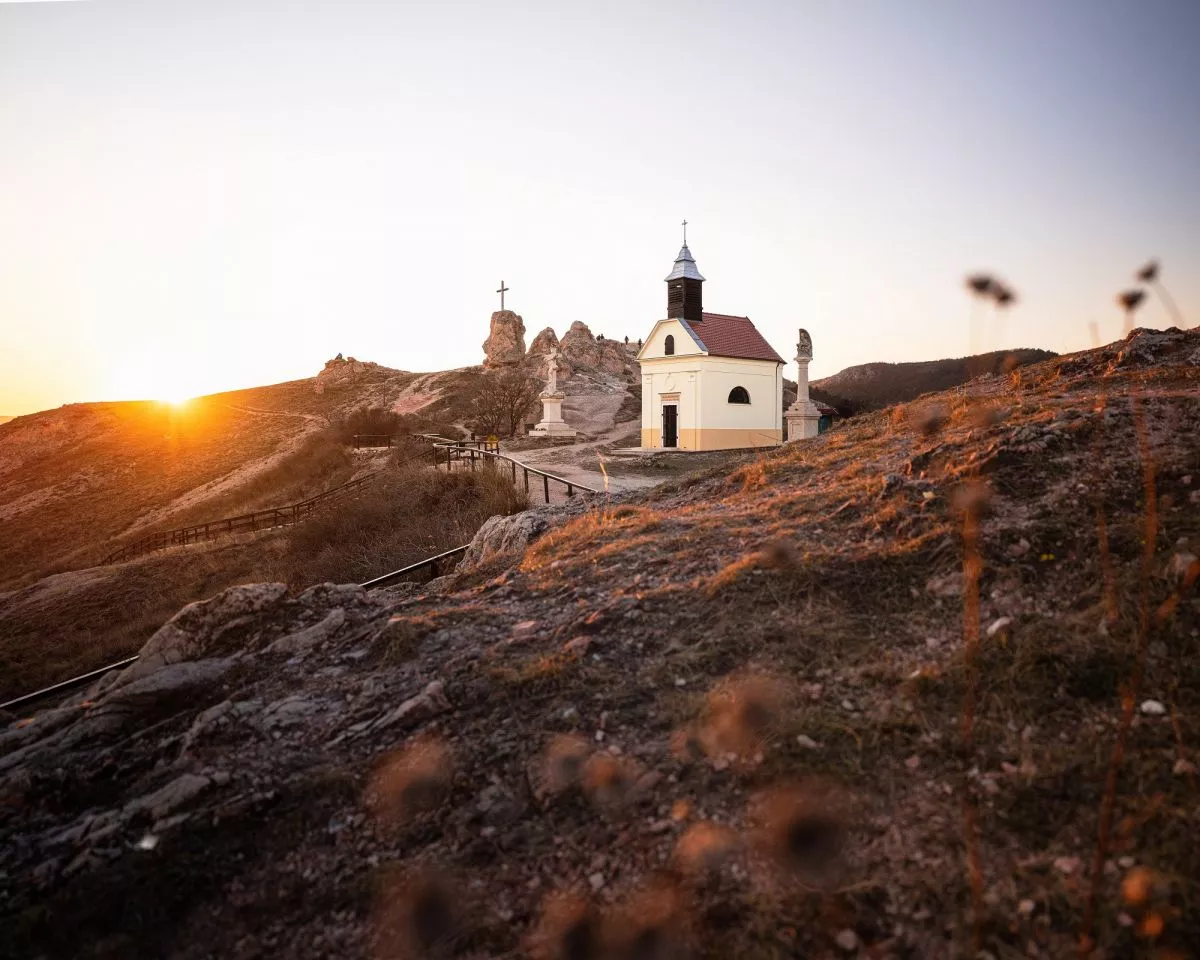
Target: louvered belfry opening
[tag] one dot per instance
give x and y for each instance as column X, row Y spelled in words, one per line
column 684, row 285
column 684, row 299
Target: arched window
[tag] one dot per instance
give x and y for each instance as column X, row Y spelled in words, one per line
column 739, row 395
column 669, row 346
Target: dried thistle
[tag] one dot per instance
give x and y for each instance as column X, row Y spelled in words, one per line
column 1148, row 273
column 410, row 781
column 930, row 420
column 1003, row 296
column 608, row 781
column 742, row 714
column 564, row 762
column 650, row 926
column 981, row 284
column 800, row 827
column 568, row 930
column 704, row 848
column 1130, row 300
column 420, row 918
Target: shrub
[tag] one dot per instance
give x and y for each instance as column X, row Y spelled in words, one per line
column 404, row 516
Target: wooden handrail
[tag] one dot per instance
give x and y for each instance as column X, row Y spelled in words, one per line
column 278, row 516
column 431, row 562
column 445, row 443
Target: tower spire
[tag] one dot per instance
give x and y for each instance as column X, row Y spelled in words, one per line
column 684, row 282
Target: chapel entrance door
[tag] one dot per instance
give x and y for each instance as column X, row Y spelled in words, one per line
column 670, row 426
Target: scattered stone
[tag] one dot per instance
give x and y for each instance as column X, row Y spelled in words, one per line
column 997, row 625
column 177, row 793
column 596, row 881
column 807, row 742
column 1026, row 907
column 1153, row 708
column 1183, row 768
column 1067, row 865
column 428, row 703
column 913, row 762
column 847, row 940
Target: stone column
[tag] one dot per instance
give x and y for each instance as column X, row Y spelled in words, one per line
column 803, row 417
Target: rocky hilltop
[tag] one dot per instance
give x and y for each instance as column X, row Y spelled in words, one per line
column 579, row 349
column 871, row 386
column 722, row 720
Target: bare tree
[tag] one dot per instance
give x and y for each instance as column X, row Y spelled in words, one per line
column 505, row 402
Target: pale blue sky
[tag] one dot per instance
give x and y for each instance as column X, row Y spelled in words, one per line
column 204, row 195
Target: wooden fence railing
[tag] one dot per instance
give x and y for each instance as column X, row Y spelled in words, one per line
column 434, row 565
column 246, row 523
column 449, row 451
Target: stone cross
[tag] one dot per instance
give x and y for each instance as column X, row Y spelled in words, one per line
column 502, row 291
column 552, row 372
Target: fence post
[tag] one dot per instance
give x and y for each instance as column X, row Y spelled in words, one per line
column 526, row 469
column 570, row 491
column 513, row 464
column 472, row 461
column 546, row 486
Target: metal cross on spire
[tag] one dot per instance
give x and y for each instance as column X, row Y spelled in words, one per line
column 685, row 233
column 502, row 291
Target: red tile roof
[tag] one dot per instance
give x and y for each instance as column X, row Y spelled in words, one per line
column 728, row 336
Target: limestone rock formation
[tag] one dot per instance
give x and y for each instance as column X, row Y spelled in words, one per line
column 341, row 370
column 579, row 347
column 505, row 345
column 543, row 343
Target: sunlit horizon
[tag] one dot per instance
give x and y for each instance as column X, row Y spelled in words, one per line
column 203, row 197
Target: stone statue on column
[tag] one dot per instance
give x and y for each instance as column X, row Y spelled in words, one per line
column 803, row 417
column 551, row 374
column 552, row 423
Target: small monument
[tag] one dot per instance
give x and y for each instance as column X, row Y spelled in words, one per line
column 552, row 423
column 803, row 417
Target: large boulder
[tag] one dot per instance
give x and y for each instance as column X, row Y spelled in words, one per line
column 505, row 345
column 579, row 347
column 543, row 343
column 535, row 357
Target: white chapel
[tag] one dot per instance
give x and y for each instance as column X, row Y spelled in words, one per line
column 710, row 381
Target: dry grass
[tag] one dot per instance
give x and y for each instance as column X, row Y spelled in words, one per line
column 82, row 620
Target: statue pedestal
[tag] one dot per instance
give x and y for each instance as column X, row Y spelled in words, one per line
column 803, row 421
column 552, row 424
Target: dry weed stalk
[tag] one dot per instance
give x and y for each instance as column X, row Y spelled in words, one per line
column 1149, row 276
column 972, row 499
column 1130, row 300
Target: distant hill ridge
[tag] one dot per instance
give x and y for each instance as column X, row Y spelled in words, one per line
column 870, row 386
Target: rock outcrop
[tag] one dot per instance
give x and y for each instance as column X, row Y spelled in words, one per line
column 505, row 345
column 581, row 349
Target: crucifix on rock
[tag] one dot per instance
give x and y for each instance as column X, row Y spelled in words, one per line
column 502, row 291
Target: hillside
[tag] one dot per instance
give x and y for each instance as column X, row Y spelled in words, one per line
column 75, row 478
column 872, row 386
column 720, row 719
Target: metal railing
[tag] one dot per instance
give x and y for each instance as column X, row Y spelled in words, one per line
column 458, row 450
column 263, row 519
column 434, row 564
column 470, row 450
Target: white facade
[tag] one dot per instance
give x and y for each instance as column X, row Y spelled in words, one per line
column 699, row 387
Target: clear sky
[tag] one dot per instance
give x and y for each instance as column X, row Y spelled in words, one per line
column 204, row 194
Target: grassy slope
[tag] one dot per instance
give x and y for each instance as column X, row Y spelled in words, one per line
column 812, row 567
column 872, row 386
column 72, row 622
column 74, row 478
column 831, row 570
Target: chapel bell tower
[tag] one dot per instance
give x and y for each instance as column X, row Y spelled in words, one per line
column 684, row 284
